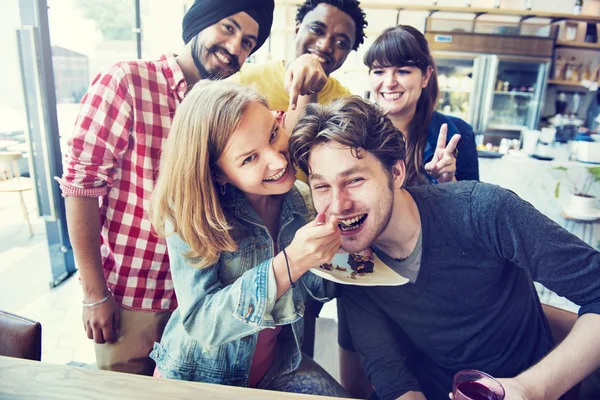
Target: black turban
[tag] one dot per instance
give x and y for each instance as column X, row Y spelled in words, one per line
column 204, row 13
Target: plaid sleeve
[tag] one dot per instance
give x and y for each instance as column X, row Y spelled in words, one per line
column 100, row 136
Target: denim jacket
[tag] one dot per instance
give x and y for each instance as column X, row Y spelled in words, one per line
column 211, row 336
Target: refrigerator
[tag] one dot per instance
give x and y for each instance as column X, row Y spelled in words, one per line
column 500, row 95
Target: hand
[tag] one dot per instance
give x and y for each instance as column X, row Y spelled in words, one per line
column 314, row 244
column 514, row 390
column 443, row 165
column 304, row 75
column 102, row 322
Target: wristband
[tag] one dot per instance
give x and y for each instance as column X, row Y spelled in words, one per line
column 287, row 264
column 104, row 300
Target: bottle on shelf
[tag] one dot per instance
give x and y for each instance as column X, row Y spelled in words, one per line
column 569, row 69
column 559, row 68
column 578, row 6
column 576, row 73
column 587, row 72
column 591, row 33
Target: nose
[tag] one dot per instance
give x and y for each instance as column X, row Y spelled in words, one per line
column 234, row 45
column 277, row 160
column 341, row 203
column 324, row 44
column 389, row 79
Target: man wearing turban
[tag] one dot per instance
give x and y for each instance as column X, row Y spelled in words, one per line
column 110, row 168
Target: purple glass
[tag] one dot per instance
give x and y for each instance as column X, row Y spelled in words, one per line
column 471, row 384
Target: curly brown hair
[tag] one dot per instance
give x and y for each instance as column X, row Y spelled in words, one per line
column 351, row 122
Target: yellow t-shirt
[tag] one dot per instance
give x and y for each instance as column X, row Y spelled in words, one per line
column 268, row 79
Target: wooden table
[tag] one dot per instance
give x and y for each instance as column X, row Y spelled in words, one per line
column 31, row 380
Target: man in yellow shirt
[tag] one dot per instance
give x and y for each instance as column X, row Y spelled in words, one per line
column 326, row 32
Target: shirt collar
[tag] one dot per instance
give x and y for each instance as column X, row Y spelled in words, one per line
column 174, row 75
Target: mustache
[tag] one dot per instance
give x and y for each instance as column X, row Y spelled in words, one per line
column 235, row 61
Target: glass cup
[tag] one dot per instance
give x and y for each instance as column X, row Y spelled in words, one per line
column 471, row 384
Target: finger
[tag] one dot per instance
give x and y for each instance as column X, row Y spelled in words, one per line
column 451, row 147
column 287, row 80
column 430, row 166
column 441, row 143
column 108, row 333
column 450, row 169
column 296, row 86
column 117, row 321
column 320, row 220
column 98, row 337
column 89, row 331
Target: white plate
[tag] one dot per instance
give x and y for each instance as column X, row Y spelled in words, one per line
column 382, row 274
column 584, row 217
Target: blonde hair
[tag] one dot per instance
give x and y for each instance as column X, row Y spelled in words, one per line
column 186, row 193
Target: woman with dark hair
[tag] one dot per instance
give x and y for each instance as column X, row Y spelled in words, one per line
column 439, row 148
column 403, row 80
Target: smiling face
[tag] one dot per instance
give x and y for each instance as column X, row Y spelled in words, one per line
column 358, row 191
column 219, row 50
column 397, row 89
column 256, row 158
column 327, row 32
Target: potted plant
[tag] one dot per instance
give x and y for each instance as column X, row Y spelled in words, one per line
column 582, row 201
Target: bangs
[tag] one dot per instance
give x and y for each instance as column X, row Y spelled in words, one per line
column 396, row 48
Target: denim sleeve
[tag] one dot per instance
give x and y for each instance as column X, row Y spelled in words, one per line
column 318, row 288
column 212, row 313
column 467, row 162
column 373, row 336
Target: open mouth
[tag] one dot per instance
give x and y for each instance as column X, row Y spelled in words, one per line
column 391, row 96
column 278, row 176
column 319, row 57
column 221, row 56
column 352, row 224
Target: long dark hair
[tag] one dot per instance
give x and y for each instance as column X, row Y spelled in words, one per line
column 402, row 46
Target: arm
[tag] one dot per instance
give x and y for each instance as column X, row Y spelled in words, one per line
column 467, row 161
column 304, row 76
column 99, row 138
column 517, row 232
column 381, row 354
column 214, row 314
column 101, row 322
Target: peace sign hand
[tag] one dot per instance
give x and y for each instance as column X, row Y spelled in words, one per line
column 443, row 164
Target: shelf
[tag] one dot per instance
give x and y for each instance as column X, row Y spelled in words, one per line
column 521, row 94
column 577, row 45
column 565, row 83
column 505, row 127
column 524, row 14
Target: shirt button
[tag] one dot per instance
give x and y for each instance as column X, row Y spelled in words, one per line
column 181, row 93
column 173, row 87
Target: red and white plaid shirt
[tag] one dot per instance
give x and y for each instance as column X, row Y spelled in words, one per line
column 114, row 154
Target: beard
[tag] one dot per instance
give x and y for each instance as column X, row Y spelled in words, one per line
column 199, row 51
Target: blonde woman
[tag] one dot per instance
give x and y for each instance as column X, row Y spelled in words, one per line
column 239, row 242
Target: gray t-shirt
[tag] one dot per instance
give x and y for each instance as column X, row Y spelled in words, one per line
column 409, row 267
column 473, row 304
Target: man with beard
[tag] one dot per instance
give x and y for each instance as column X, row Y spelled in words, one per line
column 470, row 251
column 111, row 166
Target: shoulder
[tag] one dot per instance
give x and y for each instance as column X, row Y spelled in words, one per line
column 333, row 89
column 455, row 125
column 126, row 72
column 251, row 72
column 302, row 199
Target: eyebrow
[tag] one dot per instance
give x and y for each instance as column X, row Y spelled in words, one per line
column 246, row 154
column 346, row 173
column 234, row 22
column 324, row 26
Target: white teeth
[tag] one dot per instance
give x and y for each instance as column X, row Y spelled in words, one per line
column 391, row 96
column 222, row 57
column 276, row 177
column 350, row 221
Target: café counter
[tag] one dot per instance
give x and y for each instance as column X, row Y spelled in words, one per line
column 31, row 380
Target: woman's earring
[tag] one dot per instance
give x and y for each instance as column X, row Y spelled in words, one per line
column 223, row 189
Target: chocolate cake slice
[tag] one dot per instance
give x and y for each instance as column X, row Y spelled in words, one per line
column 360, row 263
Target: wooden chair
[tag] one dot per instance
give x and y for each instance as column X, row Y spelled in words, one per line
column 12, row 181
column 21, row 337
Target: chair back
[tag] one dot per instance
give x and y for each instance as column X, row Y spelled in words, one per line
column 21, row 337
column 10, row 175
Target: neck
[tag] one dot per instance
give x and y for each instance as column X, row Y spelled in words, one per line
column 400, row 237
column 402, row 120
column 264, row 205
column 186, row 63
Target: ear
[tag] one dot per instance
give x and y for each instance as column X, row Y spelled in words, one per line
column 399, row 173
column 427, row 76
column 219, row 178
column 297, row 28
